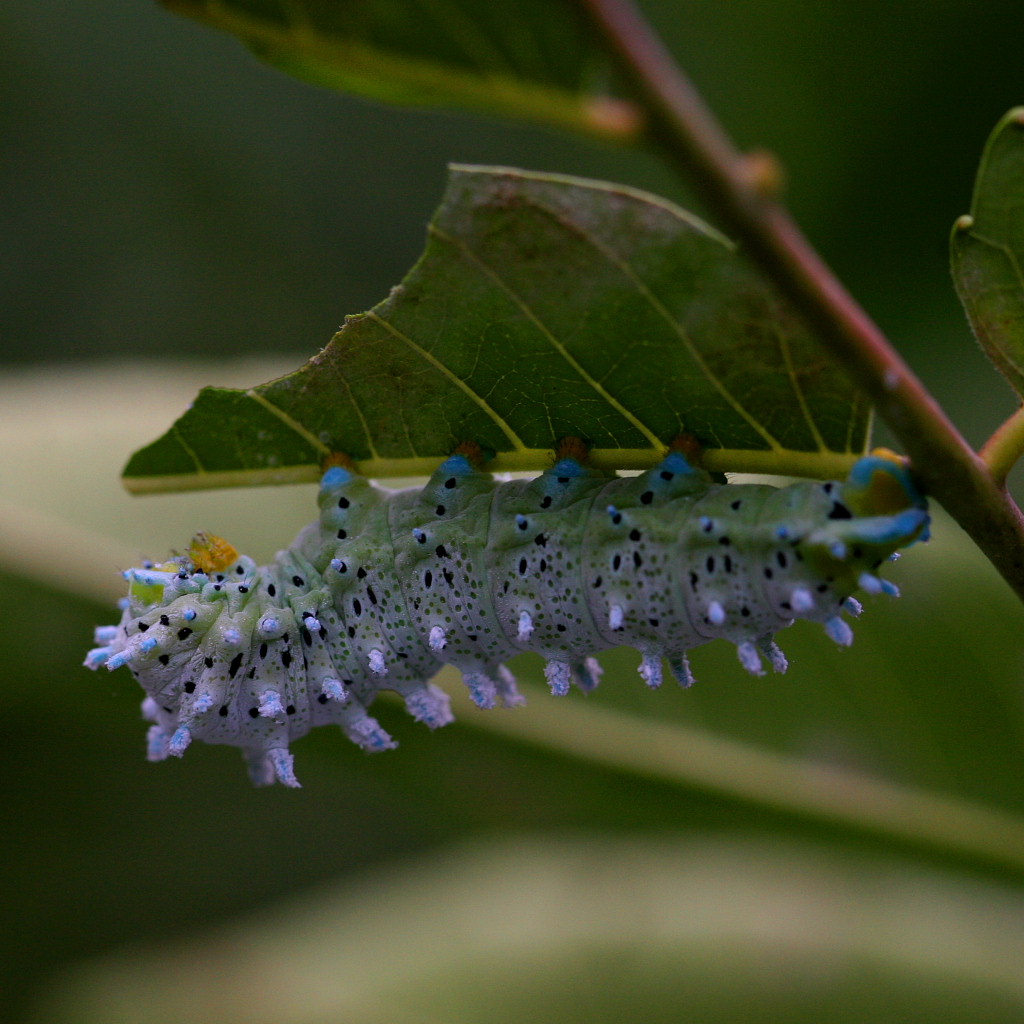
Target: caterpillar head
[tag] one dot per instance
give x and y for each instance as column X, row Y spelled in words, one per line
column 880, row 489
column 874, row 512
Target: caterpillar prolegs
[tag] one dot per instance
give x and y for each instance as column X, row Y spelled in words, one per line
column 386, row 587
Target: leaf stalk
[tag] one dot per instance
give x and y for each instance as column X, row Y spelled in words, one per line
column 1005, row 447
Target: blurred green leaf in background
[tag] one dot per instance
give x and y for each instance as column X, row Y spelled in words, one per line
column 166, row 200
column 987, row 248
column 537, row 61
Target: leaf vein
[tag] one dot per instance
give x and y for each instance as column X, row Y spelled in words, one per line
column 655, row 441
column 430, row 358
column 289, row 421
column 188, row 449
column 801, row 398
column 634, row 279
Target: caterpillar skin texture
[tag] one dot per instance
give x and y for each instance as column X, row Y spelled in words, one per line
column 386, row 587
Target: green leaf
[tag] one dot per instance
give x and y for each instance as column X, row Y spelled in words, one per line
column 536, row 59
column 988, row 250
column 543, row 307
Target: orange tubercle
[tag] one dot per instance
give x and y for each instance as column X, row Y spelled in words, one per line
column 337, row 459
column 688, row 445
column 572, row 448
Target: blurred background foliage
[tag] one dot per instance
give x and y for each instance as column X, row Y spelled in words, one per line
column 168, row 205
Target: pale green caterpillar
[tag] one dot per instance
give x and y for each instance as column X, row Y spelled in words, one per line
column 386, row 587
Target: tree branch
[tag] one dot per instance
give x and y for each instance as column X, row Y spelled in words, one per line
column 739, row 189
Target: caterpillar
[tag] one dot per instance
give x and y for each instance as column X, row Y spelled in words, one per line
column 386, row 587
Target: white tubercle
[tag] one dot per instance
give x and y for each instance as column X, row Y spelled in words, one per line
column 525, row 627
column 438, row 639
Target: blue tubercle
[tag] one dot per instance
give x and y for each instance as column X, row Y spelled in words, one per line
column 567, row 467
column 457, row 465
column 336, row 476
column 676, row 462
column 898, row 528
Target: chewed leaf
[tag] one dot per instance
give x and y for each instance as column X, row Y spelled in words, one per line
column 536, row 60
column 988, row 250
column 543, row 307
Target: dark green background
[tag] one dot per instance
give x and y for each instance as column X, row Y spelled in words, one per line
column 165, row 196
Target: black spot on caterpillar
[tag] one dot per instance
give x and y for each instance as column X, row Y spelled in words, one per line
column 606, row 561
